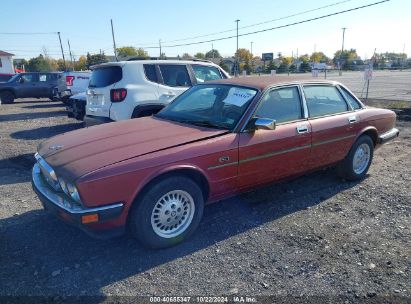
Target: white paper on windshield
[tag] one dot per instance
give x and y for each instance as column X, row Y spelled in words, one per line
column 238, row 96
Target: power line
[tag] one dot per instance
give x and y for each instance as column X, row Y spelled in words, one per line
column 256, row 24
column 27, row 33
column 277, row 27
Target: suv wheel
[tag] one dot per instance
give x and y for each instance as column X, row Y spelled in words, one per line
column 168, row 213
column 358, row 160
column 6, row 97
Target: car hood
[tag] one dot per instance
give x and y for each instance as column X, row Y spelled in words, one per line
column 82, row 151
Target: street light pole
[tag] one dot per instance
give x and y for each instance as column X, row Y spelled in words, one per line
column 342, row 49
column 236, row 54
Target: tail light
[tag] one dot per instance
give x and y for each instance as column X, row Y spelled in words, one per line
column 117, row 95
column 69, row 80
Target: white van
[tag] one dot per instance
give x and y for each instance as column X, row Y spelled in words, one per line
column 131, row 89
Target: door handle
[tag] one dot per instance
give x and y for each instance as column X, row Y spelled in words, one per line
column 352, row 119
column 302, row 129
column 169, row 94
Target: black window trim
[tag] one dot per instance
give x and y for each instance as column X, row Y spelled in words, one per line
column 342, row 88
column 349, row 109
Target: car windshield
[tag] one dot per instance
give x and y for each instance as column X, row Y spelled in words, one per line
column 14, row 78
column 210, row 105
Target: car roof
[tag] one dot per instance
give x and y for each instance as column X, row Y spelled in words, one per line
column 263, row 82
column 151, row 61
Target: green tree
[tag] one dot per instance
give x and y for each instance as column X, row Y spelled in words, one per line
column 213, row 54
column 305, row 67
column 244, row 55
column 199, row 55
column 347, row 57
column 81, row 64
column 319, row 57
column 38, row 64
column 95, row 59
column 186, row 56
column 224, row 66
column 131, row 51
column 271, row 66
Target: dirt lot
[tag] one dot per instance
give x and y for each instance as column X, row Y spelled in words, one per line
column 314, row 236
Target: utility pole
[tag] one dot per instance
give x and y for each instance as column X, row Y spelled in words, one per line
column 236, row 70
column 251, row 50
column 342, row 49
column 114, row 40
column 62, row 52
column 403, row 57
column 71, row 56
column 159, row 43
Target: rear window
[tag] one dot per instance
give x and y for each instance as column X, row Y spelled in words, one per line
column 106, row 76
column 150, row 71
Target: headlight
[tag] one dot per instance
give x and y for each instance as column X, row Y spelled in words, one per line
column 63, row 185
column 70, row 189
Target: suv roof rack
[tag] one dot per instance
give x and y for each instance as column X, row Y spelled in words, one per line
column 201, row 60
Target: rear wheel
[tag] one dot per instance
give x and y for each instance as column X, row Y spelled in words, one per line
column 6, row 97
column 168, row 213
column 358, row 160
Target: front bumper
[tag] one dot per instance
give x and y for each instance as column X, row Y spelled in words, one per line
column 66, row 209
column 387, row 136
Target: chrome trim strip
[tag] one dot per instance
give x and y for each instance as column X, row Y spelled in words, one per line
column 274, row 154
column 303, row 101
column 222, row 166
column 333, row 140
column 63, row 201
column 282, row 152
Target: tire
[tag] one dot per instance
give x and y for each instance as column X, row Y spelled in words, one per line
column 6, row 97
column 352, row 168
column 153, row 213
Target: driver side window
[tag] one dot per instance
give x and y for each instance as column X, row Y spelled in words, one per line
column 282, row 105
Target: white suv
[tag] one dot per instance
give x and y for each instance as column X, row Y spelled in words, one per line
column 131, row 89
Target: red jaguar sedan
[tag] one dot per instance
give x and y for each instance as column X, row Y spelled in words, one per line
column 155, row 174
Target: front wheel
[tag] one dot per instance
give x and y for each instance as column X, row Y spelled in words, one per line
column 358, row 160
column 168, row 213
column 6, row 97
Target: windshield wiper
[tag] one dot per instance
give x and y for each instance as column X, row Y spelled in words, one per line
column 205, row 123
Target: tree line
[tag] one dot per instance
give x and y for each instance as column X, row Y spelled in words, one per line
column 348, row 60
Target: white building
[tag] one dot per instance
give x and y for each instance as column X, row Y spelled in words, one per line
column 6, row 63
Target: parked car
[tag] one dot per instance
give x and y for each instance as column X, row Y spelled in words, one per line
column 131, row 89
column 76, row 106
column 215, row 140
column 76, row 82
column 25, row 85
column 5, row 77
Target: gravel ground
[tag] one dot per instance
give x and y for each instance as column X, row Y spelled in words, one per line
column 313, row 236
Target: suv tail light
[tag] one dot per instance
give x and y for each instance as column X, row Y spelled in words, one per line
column 117, row 95
column 69, row 80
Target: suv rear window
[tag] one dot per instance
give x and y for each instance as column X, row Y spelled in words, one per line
column 150, row 71
column 175, row 75
column 102, row 77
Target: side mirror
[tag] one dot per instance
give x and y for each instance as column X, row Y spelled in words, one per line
column 21, row 80
column 264, row 124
